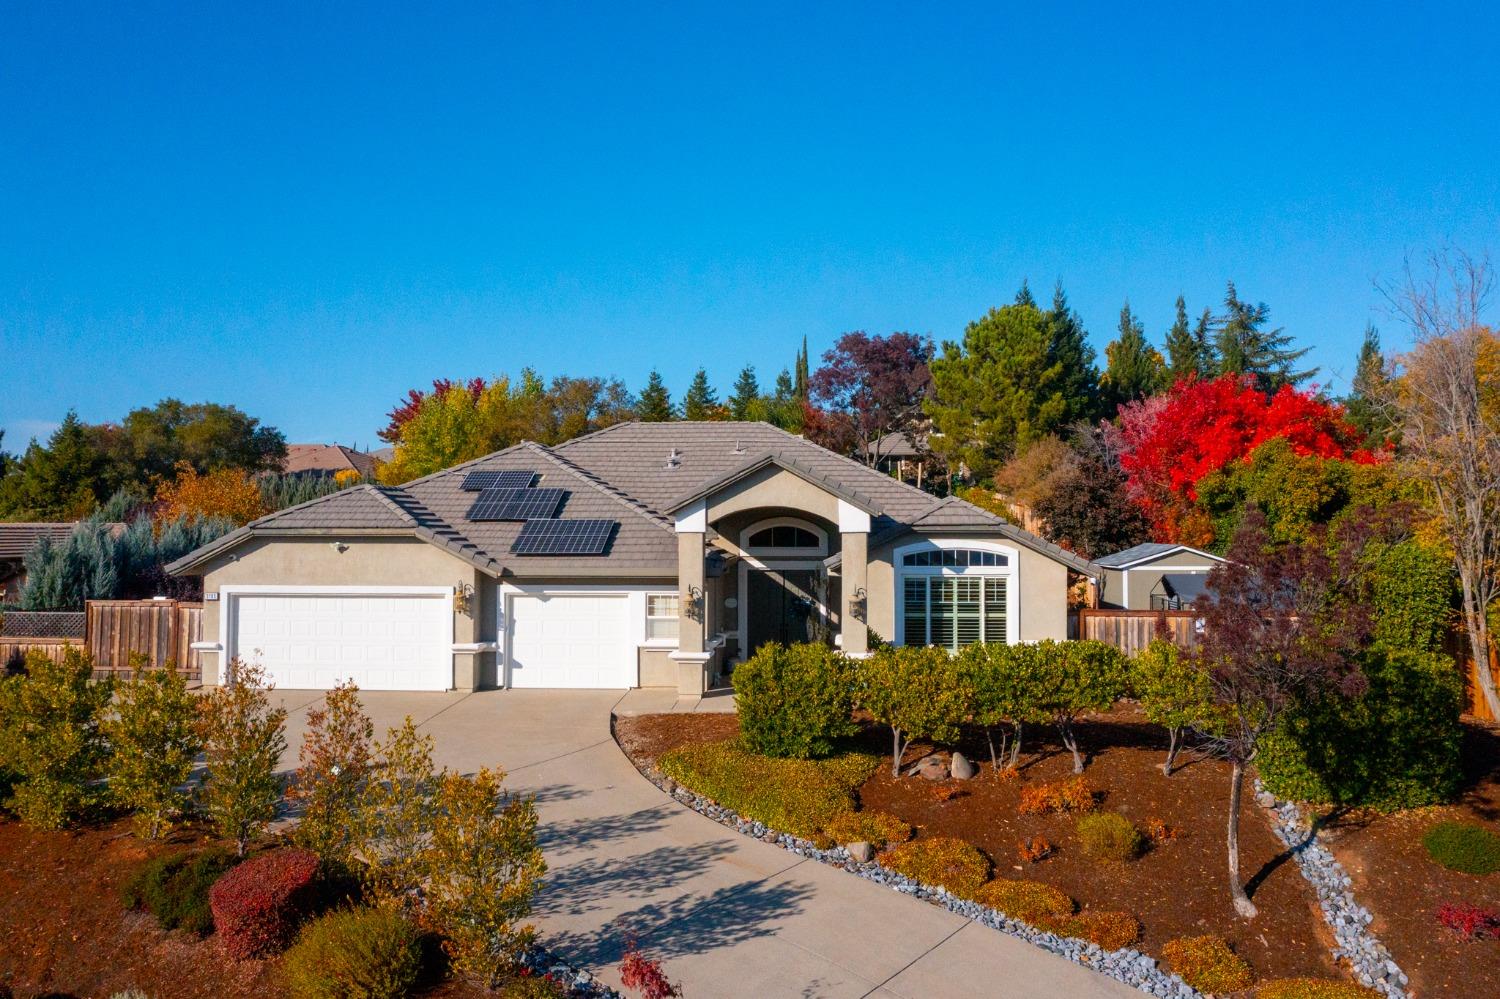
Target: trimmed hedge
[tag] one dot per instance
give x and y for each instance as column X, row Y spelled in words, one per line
column 875, row 828
column 1313, row 988
column 258, row 905
column 1463, row 847
column 1110, row 836
column 1394, row 746
column 354, row 954
column 175, row 889
column 1207, row 964
column 800, row 797
column 1028, row 901
column 794, row 701
column 941, row 861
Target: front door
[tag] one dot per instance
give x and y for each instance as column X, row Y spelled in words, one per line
column 783, row 607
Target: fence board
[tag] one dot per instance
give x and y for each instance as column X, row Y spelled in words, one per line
column 1132, row 631
column 161, row 630
column 13, row 649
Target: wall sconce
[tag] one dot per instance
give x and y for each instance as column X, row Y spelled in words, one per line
column 338, row 546
column 463, row 599
column 857, row 603
column 695, row 603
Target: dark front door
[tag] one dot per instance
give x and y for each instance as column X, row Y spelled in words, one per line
column 783, row 607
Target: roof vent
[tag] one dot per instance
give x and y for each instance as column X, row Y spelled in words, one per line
column 674, row 459
column 739, row 447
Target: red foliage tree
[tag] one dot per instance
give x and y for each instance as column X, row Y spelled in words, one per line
column 868, row 386
column 1169, row 443
column 408, row 407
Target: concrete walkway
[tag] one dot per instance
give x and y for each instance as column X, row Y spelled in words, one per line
column 727, row 915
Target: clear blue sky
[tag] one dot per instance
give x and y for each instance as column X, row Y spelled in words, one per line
column 304, row 214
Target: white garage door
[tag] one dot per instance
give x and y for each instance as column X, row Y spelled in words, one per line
column 381, row 641
column 571, row 641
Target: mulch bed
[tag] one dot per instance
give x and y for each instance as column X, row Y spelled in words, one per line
column 1396, row 880
column 1177, row 889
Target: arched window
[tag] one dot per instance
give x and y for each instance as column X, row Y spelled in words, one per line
column 784, row 536
column 951, row 594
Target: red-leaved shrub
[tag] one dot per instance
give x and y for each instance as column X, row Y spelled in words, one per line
column 1472, row 922
column 258, row 904
column 642, row 974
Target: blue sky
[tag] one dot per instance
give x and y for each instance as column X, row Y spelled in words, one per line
column 304, row 213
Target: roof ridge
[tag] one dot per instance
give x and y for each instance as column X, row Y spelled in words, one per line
column 613, row 492
column 326, row 497
column 386, row 493
column 604, row 430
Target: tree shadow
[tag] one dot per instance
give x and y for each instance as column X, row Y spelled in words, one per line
column 592, row 832
column 1330, row 820
column 583, row 885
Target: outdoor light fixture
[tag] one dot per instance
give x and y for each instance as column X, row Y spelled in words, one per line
column 857, row 603
column 695, row 603
column 338, row 546
column 463, row 598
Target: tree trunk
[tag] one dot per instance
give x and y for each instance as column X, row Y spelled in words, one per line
column 989, row 737
column 1242, row 903
column 1071, row 741
column 1015, row 748
column 1173, row 735
column 896, row 752
column 1476, row 624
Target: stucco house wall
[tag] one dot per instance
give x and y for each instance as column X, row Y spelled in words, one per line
column 1145, row 578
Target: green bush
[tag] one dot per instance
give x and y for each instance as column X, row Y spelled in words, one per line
column 51, row 739
column 1394, row 746
column 174, row 889
column 153, row 746
column 875, row 828
column 1464, row 847
column 941, row 861
column 800, row 797
column 534, row 987
column 1110, row 836
column 918, row 692
column 1028, row 901
column 794, row 701
column 1411, row 593
column 354, row 954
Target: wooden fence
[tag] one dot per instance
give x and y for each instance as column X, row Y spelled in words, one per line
column 1132, row 631
column 161, row 630
column 1457, row 645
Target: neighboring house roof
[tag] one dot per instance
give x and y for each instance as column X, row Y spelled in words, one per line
column 327, row 459
column 16, row 538
column 622, row 474
column 897, row 445
column 1148, row 552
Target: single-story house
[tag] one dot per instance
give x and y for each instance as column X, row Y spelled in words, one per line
column 1154, row 576
column 327, row 459
column 645, row 554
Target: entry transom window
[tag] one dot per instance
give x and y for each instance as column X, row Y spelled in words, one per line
column 960, row 558
column 784, row 536
column 662, row 610
column 954, row 611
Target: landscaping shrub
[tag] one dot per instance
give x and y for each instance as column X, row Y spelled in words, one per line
column 154, row 746
column 918, row 692
column 996, row 681
column 1109, row 930
column 1313, row 988
column 1034, row 849
column 51, row 737
column 258, row 905
column 1072, row 678
column 1073, row 794
column 354, row 954
column 395, row 817
column 332, row 768
column 1207, row 964
column 794, row 701
column 940, row 861
column 530, row 986
column 800, row 797
column 1472, row 922
column 1394, row 746
column 1173, row 693
column 875, row 828
column 1110, row 836
column 1463, row 847
column 1027, row 901
column 243, row 740
column 644, row 975
column 175, row 889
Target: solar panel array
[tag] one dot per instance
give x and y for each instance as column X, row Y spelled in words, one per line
column 516, row 504
column 497, row 479
column 564, row 537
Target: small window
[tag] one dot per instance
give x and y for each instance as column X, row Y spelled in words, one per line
column 662, row 610
column 784, row 536
column 954, row 558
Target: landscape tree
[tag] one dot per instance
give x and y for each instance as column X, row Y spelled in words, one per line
column 1068, row 679
column 395, row 816
column 799, row 384
column 333, row 766
column 1244, row 346
column 407, row 408
column 1133, row 368
column 151, row 442
column 153, row 745
column 1188, row 354
column 655, row 402
column 869, row 387
column 1281, row 622
column 1173, row 693
column 52, row 743
column 243, row 738
column 701, row 401
column 1370, row 386
column 784, row 408
column 997, row 680
column 224, row 494
column 746, row 394
column 1069, row 352
column 1446, row 403
column 63, row 480
column 915, row 692
column 1088, row 509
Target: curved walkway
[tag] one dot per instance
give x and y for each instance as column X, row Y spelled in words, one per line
column 727, row 915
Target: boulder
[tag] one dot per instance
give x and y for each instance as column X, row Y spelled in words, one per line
column 860, row 852
column 962, row 769
column 931, row 767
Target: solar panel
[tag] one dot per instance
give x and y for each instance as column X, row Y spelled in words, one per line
column 497, row 479
column 516, row 504
column 564, row 537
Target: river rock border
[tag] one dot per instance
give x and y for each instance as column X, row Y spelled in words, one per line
column 1355, row 943
column 579, row 983
column 1127, row 965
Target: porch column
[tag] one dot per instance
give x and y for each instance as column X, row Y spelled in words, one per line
column 854, row 610
column 691, row 655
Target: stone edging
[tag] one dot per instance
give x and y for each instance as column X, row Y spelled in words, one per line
column 580, row 984
column 1127, row 965
column 1350, row 922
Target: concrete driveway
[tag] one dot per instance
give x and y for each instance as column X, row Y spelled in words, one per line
column 727, row 915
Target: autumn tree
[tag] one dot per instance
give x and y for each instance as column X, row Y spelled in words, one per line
column 655, row 402
column 226, row 494
column 243, row 738
column 1133, row 368
column 333, row 766
column 154, row 746
column 868, row 388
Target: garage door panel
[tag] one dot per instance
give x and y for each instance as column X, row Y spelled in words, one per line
column 570, row 641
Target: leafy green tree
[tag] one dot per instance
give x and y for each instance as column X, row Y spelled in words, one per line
column 243, row 738
column 1246, row 347
column 333, row 767
column 395, row 818
column 785, row 409
column 1173, row 692
column 1188, row 353
column 154, row 746
column 746, row 394
column 997, row 680
column 1370, row 386
column 1024, row 295
column 701, row 401
column 1134, row 369
column 153, row 441
column 51, row 737
column 655, row 403
column 64, row 480
column 1072, row 678
column 915, row 691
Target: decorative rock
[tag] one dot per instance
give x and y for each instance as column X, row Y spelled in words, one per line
column 1265, row 799
column 860, row 852
column 962, row 769
column 931, row 767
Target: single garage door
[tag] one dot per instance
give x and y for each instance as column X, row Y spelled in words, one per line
column 381, row 641
column 570, row 640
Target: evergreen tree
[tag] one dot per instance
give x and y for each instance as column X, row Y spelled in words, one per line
column 655, row 403
column 1246, row 347
column 701, row 401
column 785, row 390
column 1187, row 348
column 65, row 480
column 746, row 394
column 1024, row 295
column 1134, row 368
column 802, row 372
column 1369, row 384
column 1068, row 350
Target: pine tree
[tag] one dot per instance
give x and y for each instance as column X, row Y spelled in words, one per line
column 1187, row 348
column 655, row 403
column 1068, row 348
column 701, row 401
column 785, row 391
column 746, row 394
column 1024, row 295
column 1245, row 347
column 1135, row 369
column 802, row 372
column 1369, row 384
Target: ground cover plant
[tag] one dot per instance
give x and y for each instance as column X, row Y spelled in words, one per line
column 1472, row 922
column 1207, row 964
column 1110, row 836
column 1463, row 846
column 174, row 888
column 875, row 828
column 1028, row 901
column 359, row 953
column 942, row 861
column 1313, row 988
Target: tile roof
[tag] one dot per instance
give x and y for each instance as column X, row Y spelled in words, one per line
column 328, row 458
column 18, row 537
column 1149, row 550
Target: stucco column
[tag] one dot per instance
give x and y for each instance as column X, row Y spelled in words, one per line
column 691, row 656
column 854, row 611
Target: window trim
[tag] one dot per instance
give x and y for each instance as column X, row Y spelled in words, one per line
column 820, row 550
column 661, row 643
column 1009, row 572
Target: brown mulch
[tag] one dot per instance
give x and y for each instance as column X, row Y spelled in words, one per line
column 1176, row 889
column 1396, row 880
